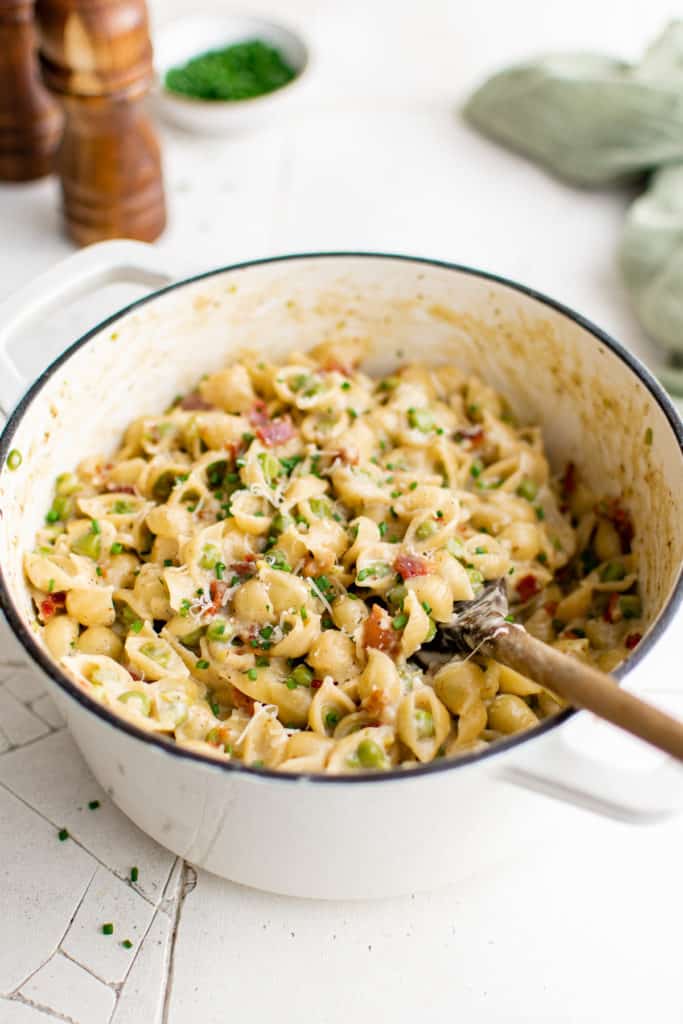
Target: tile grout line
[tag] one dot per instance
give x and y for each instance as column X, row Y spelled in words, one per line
column 57, row 948
column 42, row 1008
column 188, row 881
column 82, row 846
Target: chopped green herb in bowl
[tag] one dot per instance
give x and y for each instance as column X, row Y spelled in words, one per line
column 238, row 72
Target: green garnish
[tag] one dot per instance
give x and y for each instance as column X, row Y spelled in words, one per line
column 540, row 512
column 14, row 459
column 476, row 468
column 252, row 674
column 127, row 944
column 301, row 676
column 134, row 874
column 425, row 529
column 93, row 805
column 116, row 548
column 528, row 489
column 108, row 929
column 421, row 419
column 399, row 621
column 648, row 436
column 62, row 835
column 289, row 462
column 202, row 664
column 88, row 544
column 612, row 572
column 370, row 755
column 424, row 724
column 95, row 527
column 237, row 72
column 278, row 560
column 136, row 625
column 630, row 606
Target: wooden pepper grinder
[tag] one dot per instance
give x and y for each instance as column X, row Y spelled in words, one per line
column 96, row 57
column 30, row 121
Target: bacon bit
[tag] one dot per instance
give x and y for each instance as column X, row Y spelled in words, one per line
column 258, row 415
column 348, row 455
column 333, row 364
column 49, row 606
column 611, row 612
column 115, row 488
column 134, row 675
column 550, row 607
column 241, row 701
column 528, row 587
column 316, row 684
column 378, row 631
column 376, row 703
column 320, row 564
column 569, row 480
column 620, row 519
column 411, row 565
column 244, row 568
column 217, row 589
column 632, row 640
column 475, row 435
column 193, row 401
column 275, row 432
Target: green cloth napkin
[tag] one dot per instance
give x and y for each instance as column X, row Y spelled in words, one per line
column 595, row 121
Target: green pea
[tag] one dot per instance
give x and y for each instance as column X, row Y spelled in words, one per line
column 137, row 695
column 421, row 419
column 88, row 544
column 211, row 555
column 612, row 572
column 630, row 606
column 66, row 484
column 397, row 595
column 281, row 522
column 271, row 467
column 425, row 530
column 424, row 724
column 156, row 653
column 370, row 754
column 528, row 489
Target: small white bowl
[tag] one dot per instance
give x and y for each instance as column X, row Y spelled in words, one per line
column 187, row 37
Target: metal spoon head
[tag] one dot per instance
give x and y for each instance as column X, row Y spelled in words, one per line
column 473, row 622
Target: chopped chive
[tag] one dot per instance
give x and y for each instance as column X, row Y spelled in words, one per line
column 93, row 805
column 134, row 874
column 346, row 386
column 117, row 548
column 127, row 944
column 108, row 929
column 14, row 459
column 62, row 835
column 648, row 436
column 510, row 618
column 136, row 625
column 202, row 664
column 50, row 586
column 540, row 513
column 94, row 526
column 413, row 486
column 399, row 621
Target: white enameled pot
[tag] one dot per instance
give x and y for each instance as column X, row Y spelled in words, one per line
column 346, row 837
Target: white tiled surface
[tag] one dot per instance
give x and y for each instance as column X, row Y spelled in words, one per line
column 584, row 929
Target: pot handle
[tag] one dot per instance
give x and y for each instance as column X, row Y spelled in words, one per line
column 93, row 267
column 594, row 765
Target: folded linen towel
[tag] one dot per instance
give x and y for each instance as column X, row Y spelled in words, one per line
column 595, row 121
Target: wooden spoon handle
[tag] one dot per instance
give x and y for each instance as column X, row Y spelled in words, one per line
column 586, row 687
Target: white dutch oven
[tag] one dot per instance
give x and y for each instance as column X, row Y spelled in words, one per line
column 351, row 836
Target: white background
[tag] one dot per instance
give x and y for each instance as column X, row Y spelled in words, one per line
column 585, row 928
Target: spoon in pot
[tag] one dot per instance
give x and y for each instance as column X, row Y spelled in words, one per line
column 481, row 625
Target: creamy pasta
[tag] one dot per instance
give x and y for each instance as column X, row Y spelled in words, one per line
column 256, row 570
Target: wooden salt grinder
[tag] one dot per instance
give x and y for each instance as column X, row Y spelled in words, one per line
column 96, row 57
column 30, row 121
